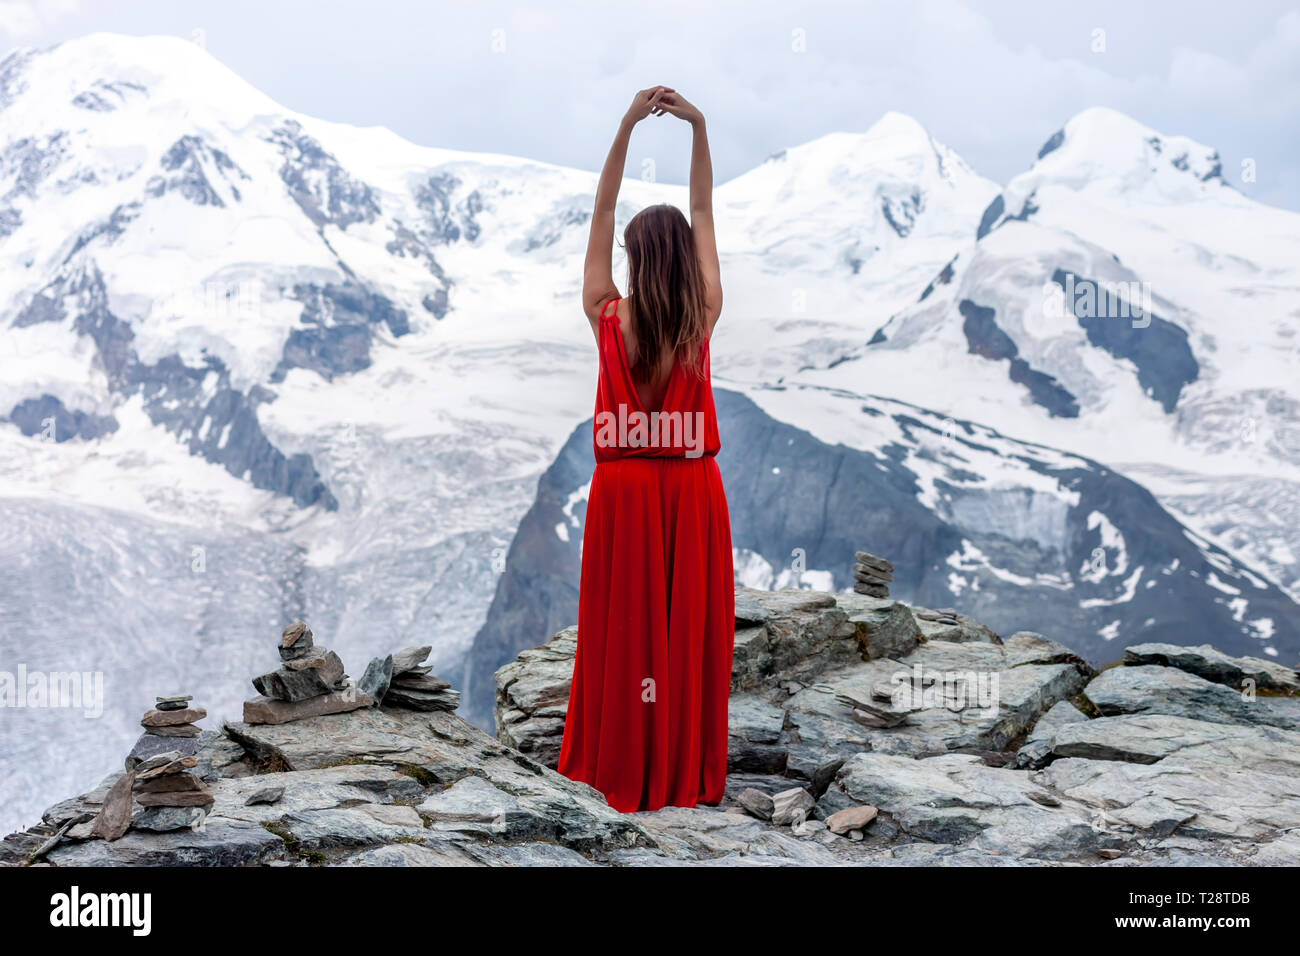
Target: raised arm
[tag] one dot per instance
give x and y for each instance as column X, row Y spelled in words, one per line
column 706, row 243
column 598, row 272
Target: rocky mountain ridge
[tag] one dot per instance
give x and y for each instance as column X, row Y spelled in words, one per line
column 863, row 732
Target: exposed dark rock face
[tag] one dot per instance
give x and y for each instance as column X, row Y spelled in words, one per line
column 32, row 415
column 1158, row 348
column 322, row 188
column 12, row 68
column 943, row 278
column 337, row 329
column 1066, row 569
column 105, row 96
column 991, row 215
column 186, row 165
column 449, row 221
column 996, row 214
column 901, row 212
column 985, row 338
column 30, row 163
column 1053, row 143
column 208, row 415
column 109, row 229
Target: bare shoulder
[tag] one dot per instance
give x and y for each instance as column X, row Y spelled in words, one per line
column 624, row 313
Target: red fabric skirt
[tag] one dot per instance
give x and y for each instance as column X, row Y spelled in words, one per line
column 647, row 717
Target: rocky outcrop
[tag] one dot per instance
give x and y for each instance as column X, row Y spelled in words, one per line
column 959, row 747
column 863, row 732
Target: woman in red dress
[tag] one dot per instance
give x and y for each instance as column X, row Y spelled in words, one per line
column 647, row 717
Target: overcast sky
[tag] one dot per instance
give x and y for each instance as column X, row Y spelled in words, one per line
column 549, row 80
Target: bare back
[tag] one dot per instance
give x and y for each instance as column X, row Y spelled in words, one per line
column 650, row 393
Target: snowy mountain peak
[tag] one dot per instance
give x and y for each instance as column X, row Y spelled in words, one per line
column 895, row 145
column 107, row 72
column 1102, row 146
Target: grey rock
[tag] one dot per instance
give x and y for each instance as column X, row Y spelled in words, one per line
column 266, row 710
column 264, row 795
column 792, row 804
column 883, row 628
column 286, row 684
column 756, row 803
column 1148, row 738
column 167, row 819
column 1152, row 689
column 151, row 745
column 401, row 695
column 873, row 561
column 413, row 854
column 409, row 658
column 1037, row 748
column 235, row 844
column 1214, row 665
column 377, row 677
column 115, row 815
column 754, row 742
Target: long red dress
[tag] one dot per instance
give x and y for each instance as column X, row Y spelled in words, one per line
column 647, row 717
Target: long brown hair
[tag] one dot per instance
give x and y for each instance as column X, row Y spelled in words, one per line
column 667, row 290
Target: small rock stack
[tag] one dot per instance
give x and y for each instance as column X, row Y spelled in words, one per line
column 404, row 680
column 308, row 683
column 872, row 574
column 165, row 782
column 158, row 775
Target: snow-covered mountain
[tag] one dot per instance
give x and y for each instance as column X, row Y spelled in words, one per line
column 1122, row 300
column 257, row 366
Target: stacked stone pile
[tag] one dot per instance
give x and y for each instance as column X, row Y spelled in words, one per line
column 309, row 682
column 403, row 679
column 872, row 574
column 159, row 776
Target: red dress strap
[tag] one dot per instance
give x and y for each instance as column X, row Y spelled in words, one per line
column 606, row 306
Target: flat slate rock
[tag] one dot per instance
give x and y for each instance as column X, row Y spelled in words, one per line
column 265, row 710
column 214, row 844
column 263, row 796
column 176, row 730
column 422, row 700
column 178, row 798
column 409, row 658
column 424, row 682
column 170, row 718
column 327, row 665
column 296, row 633
column 1148, row 738
column 292, row 685
column 170, row 783
column 167, row 819
column 151, row 745
column 1152, row 689
column 873, row 561
column 1214, row 665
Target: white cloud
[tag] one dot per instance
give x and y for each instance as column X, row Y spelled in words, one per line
column 21, row 19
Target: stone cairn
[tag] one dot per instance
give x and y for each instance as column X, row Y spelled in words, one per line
column 404, row 680
column 308, row 683
column 159, row 775
column 872, row 574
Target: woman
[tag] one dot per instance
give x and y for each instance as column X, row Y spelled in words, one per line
column 647, row 718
